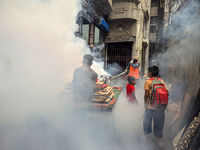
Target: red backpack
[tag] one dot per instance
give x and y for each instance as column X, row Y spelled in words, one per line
column 159, row 96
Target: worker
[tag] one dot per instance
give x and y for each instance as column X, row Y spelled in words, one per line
column 133, row 68
column 83, row 83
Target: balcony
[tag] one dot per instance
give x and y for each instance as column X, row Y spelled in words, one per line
column 113, row 39
column 103, row 5
column 133, row 1
column 124, row 10
column 145, row 42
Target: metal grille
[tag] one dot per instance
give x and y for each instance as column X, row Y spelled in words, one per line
column 119, row 53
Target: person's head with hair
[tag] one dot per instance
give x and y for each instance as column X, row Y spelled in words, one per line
column 87, row 60
column 131, row 80
column 135, row 60
column 153, row 71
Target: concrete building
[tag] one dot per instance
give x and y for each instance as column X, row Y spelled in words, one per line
column 132, row 28
column 91, row 21
column 128, row 36
column 156, row 28
column 135, row 30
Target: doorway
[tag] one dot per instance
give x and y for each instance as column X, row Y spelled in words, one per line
column 120, row 53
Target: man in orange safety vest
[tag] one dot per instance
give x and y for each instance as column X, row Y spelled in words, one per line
column 133, row 68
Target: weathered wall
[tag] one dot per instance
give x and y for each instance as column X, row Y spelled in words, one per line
column 145, row 50
column 110, row 2
column 122, row 28
column 143, row 4
column 122, row 22
column 154, row 11
column 153, row 37
column 128, row 23
column 124, row 10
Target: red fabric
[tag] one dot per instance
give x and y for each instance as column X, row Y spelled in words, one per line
column 129, row 90
column 160, row 94
column 103, row 86
column 154, row 78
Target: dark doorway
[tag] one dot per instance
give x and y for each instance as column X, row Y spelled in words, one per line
column 119, row 53
column 152, row 53
column 143, row 59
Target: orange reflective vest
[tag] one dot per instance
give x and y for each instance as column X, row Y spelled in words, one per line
column 134, row 72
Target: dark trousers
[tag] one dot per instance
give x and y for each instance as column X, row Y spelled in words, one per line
column 158, row 118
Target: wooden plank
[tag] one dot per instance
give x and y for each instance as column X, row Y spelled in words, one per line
column 111, row 104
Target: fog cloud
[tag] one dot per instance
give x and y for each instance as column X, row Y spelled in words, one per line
column 38, row 54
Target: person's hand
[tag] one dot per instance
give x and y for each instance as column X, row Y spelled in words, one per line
column 125, row 70
column 131, row 61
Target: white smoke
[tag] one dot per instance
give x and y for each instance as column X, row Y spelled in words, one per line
column 181, row 40
column 38, row 53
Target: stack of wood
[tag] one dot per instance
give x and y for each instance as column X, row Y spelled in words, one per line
column 104, row 93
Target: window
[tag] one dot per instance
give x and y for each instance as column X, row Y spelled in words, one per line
column 154, row 3
column 153, row 29
column 97, row 34
column 154, row 20
column 85, row 32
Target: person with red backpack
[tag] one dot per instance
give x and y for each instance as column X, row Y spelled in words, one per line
column 156, row 100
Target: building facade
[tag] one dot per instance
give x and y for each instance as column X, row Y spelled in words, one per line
column 128, row 34
column 131, row 28
column 91, row 21
column 135, row 30
column 156, row 28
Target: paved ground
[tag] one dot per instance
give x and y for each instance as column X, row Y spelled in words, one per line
column 72, row 129
column 121, row 129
